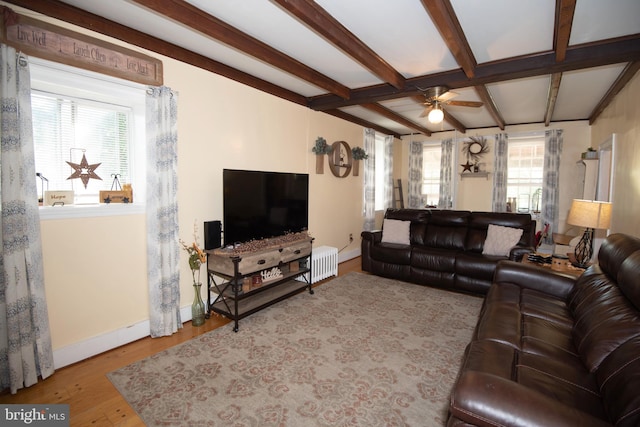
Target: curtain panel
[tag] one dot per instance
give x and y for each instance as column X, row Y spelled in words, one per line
column 163, row 247
column 415, row 175
column 369, row 187
column 25, row 340
column 500, row 167
column 388, row 172
column 550, row 181
column 445, row 199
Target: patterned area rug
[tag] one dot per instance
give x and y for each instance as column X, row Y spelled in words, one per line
column 361, row 351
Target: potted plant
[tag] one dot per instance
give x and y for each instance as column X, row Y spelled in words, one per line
column 320, row 149
column 358, row 154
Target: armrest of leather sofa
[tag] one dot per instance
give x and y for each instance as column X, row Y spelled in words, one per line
column 369, row 238
column 518, row 252
column 374, row 236
column 534, row 277
column 483, row 399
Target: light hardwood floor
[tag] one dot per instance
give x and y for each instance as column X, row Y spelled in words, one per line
column 92, row 398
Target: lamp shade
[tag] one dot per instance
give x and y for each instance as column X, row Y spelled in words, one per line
column 436, row 115
column 590, row 214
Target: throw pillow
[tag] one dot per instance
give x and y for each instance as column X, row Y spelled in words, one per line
column 395, row 231
column 501, row 239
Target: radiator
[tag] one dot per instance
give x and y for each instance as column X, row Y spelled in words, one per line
column 324, row 263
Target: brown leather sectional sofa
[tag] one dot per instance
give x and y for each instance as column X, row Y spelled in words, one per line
column 554, row 351
column 445, row 248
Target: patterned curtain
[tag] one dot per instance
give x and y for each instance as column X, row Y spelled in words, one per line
column 415, row 175
column 445, row 201
column 163, row 250
column 388, row 172
column 500, row 163
column 550, row 181
column 369, row 180
column 25, row 339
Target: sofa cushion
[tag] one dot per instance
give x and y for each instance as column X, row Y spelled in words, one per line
column 476, row 265
column 479, row 223
column 562, row 380
column 500, row 240
column 447, row 229
column 619, row 383
column 604, row 318
column 395, row 231
column 615, row 250
column 526, row 319
column 392, row 253
column 419, row 219
column 434, row 259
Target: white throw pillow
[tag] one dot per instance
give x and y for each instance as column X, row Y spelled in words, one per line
column 395, row 231
column 501, row 239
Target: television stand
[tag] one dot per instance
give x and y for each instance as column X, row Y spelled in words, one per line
column 249, row 280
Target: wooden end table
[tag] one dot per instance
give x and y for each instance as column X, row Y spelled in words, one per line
column 571, row 271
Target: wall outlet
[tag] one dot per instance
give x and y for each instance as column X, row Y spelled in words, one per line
column 350, row 237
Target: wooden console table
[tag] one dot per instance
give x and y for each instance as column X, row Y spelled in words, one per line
column 248, row 282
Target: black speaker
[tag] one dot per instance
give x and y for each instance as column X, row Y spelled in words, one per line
column 212, row 234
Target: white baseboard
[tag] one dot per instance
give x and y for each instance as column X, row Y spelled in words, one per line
column 346, row 256
column 82, row 350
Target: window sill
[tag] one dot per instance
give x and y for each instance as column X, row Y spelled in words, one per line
column 90, row 211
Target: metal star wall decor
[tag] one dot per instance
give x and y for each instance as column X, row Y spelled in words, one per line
column 467, row 166
column 84, row 171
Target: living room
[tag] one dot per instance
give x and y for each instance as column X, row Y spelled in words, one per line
column 95, row 267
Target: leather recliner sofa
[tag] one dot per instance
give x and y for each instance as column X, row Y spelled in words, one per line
column 445, row 248
column 553, row 351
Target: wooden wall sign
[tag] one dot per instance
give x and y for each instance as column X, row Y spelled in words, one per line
column 43, row 40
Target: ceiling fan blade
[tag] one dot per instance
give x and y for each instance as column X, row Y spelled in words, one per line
column 466, row 103
column 426, row 111
column 447, row 96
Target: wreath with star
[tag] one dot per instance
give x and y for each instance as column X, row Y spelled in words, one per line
column 475, row 148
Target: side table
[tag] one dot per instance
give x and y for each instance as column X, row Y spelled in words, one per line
column 570, row 270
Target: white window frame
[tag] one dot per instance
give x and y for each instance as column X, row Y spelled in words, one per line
column 527, row 139
column 52, row 77
column 431, row 179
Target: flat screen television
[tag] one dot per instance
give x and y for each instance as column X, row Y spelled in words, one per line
column 259, row 204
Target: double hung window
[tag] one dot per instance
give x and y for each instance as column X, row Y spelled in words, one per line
column 525, row 172
column 431, row 163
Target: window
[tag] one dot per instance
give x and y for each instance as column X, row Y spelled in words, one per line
column 431, row 154
column 524, row 175
column 68, row 129
column 79, row 113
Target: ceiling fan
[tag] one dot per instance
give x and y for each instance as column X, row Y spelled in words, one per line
column 437, row 96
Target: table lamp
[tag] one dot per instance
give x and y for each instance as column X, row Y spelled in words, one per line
column 592, row 215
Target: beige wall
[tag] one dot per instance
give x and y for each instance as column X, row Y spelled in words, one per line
column 95, row 268
column 622, row 117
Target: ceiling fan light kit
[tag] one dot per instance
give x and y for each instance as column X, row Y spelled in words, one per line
column 436, row 115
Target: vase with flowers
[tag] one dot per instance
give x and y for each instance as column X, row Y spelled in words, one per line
column 196, row 259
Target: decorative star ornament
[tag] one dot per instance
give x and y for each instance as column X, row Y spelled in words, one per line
column 467, row 166
column 84, row 171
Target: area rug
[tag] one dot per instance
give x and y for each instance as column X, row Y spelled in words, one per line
column 361, row 351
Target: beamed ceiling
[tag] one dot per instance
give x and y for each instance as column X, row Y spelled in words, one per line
column 369, row 61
